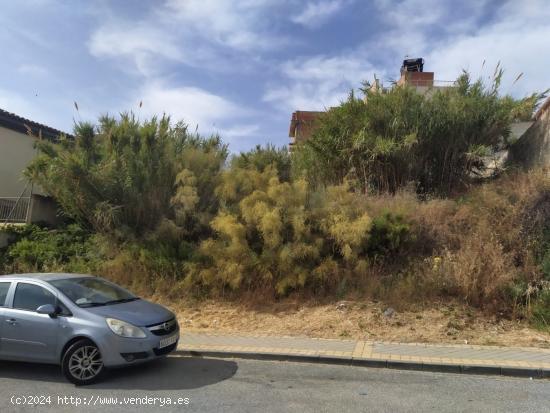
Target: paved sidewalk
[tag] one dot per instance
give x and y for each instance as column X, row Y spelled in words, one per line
column 529, row 362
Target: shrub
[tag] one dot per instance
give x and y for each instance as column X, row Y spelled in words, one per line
column 546, row 265
column 280, row 237
column 541, row 310
column 388, row 234
column 42, row 249
column 260, row 158
column 121, row 173
column 479, row 271
column 262, row 237
column 387, row 140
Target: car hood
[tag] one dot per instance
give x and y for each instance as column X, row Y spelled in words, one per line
column 139, row 313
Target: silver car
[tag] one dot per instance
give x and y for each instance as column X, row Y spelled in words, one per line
column 81, row 322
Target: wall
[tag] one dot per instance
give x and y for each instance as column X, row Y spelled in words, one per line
column 44, row 210
column 422, row 79
column 5, row 238
column 16, row 151
column 533, row 148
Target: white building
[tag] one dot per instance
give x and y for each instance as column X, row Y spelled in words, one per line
column 20, row 201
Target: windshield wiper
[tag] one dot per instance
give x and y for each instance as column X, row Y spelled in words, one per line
column 122, row 300
column 86, row 305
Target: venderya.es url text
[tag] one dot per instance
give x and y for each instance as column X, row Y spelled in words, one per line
column 97, row 400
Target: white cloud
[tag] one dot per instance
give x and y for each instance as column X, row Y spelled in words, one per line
column 492, row 46
column 139, row 43
column 32, row 70
column 240, row 130
column 207, row 34
column 197, row 107
column 207, row 112
column 319, row 82
column 316, row 13
column 408, row 13
column 219, row 35
column 414, row 26
column 241, row 25
column 517, row 36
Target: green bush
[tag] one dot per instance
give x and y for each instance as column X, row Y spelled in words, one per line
column 260, row 158
column 42, row 249
column 281, row 237
column 388, row 234
column 121, row 174
column 386, row 140
column 546, row 266
column 541, row 310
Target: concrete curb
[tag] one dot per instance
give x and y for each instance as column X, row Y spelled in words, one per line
column 507, row 371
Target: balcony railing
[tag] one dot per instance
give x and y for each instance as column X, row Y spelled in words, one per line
column 14, row 210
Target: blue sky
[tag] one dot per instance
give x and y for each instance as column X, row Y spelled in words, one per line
column 241, row 67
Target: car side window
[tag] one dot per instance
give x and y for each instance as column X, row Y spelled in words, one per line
column 30, row 297
column 4, row 288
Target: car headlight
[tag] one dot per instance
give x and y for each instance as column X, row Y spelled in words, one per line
column 124, row 329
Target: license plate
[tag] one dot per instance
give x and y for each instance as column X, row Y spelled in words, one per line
column 168, row 341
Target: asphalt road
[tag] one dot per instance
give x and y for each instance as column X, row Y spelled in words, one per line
column 212, row 385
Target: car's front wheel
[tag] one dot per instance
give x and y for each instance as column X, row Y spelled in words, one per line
column 82, row 363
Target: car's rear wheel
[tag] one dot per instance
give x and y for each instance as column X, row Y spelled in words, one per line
column 82, row 363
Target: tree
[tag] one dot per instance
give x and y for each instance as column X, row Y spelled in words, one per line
column 121, row 174
column 261, row 157
column 435, row 140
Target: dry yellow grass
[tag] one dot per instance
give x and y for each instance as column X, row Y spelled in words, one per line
column 445, row 323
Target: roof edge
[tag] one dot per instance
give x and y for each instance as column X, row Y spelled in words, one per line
column 26, row 126
column 543, row 108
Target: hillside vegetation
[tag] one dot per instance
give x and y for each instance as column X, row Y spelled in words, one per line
column 383, row 202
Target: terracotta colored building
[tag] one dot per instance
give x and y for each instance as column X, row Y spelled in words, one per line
column 302, row 126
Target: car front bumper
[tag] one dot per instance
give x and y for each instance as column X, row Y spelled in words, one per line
column 119, row 351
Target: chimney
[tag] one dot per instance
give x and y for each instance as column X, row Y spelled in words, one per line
column 412, row 74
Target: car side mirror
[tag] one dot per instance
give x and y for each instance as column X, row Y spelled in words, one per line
column 49, row 309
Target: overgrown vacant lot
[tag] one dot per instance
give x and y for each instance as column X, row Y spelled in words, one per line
column 383, row 207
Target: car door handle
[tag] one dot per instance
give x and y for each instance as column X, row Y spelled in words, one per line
column 11, row 321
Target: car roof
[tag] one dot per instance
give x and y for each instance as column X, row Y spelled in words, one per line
column 51, row 276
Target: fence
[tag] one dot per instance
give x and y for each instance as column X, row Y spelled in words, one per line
column 14, row 210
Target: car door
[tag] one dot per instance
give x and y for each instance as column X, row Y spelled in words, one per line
column 27, row 335
column 4, row 289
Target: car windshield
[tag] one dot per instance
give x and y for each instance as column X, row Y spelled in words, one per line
column 92, row 292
